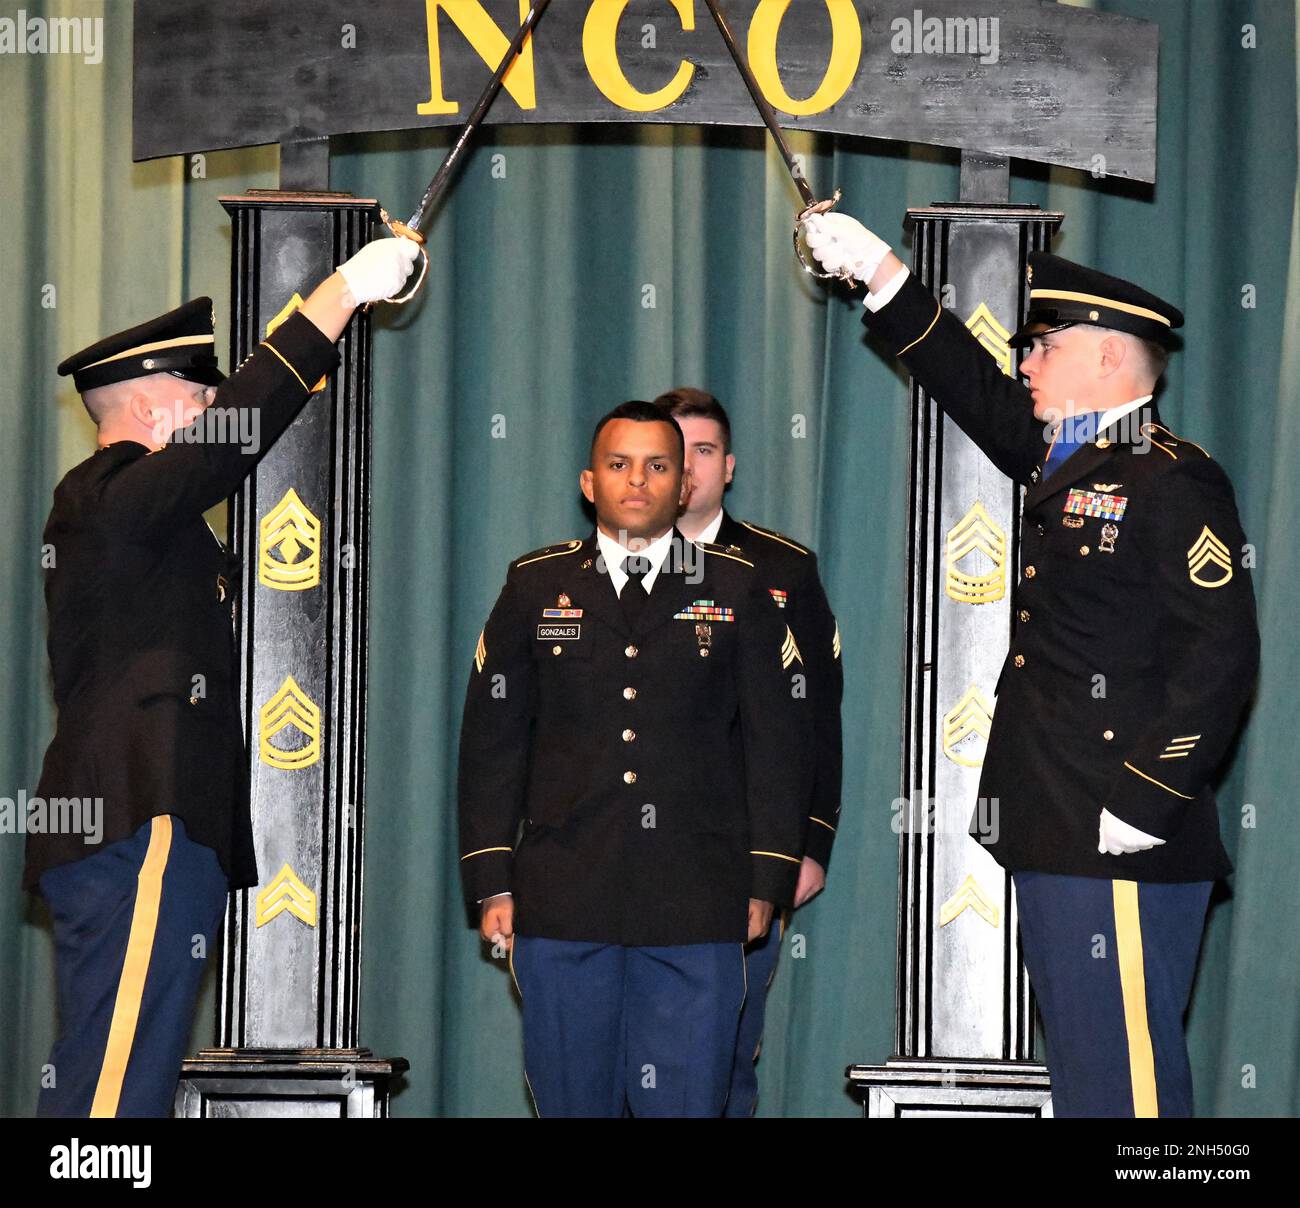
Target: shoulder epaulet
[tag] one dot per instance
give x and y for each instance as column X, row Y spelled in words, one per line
column 725, row 551
column 773, row 535
column 548, row 551
column 1167, row 442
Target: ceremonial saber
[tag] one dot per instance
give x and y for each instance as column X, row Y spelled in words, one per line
column 765, row 111
column 414, row 227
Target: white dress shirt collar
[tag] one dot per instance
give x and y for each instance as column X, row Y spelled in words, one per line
column 709, row 532
column 1109, row 417
column 615, row 555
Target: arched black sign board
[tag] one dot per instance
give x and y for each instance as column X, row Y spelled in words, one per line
column 1013, row 78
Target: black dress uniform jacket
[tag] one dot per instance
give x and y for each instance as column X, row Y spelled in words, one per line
column 789, row 571
column 140, row 639
column 1134, row 648
column 634, row 786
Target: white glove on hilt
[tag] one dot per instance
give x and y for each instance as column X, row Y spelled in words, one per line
column 841, row 243
column 1115, row 837
column 379, row 269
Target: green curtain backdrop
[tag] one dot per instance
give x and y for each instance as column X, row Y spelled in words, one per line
column 576, row 268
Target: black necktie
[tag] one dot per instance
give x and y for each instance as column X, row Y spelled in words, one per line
column 634, row 595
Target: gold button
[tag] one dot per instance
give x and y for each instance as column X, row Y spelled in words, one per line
column 1084, row 550
column 1104, row 443
column 194, row 700
column 628, row 735
column 630, row 652
column 703, row 653
column 1024, row 614
column 1019, row 660
column 557, row 649
column 629, row 778
column 629, row 694
column 1094, row 315
column 1030, row 572
column 1108, row 735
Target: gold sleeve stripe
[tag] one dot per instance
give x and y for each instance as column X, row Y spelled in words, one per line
column 1157, row 783
column 480, row 653
column 483, row 851
column 938, row 309
column 814, row 818
column 289, row 367
column 776, row 855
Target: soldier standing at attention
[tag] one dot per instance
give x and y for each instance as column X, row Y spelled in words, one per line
column 789, row 573
column 142, row 655
column 633, row 789
column 1133, row 656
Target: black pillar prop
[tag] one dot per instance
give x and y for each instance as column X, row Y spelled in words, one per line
column 964, row 1028
column 288, row 1004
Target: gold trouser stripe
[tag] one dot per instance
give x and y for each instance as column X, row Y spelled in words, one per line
column 1133, row 985
column 135, row 967
column 938, row 310
column 1157, row 783
column 289, row 367
column 484, row 850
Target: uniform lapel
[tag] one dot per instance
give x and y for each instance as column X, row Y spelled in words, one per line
column 1089, row 459
column 730, row 531
column 682, row 579
column 594, row 592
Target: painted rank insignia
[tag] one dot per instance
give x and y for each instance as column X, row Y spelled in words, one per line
column 1094, row 503
column 705, row 610
column 1209, row 562
column 779, row 596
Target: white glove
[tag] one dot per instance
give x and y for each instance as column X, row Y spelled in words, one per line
column 379, row 269
column 1116, row 838
column 840, row 242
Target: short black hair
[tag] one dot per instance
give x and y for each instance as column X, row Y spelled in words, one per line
column 642, row 412
column 687, row 401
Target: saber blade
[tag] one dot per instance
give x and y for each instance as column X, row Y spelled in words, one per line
column 810, row 203
column 438, row 185
column 765, row 110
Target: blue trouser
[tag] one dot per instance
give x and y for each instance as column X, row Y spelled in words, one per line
column 760, row 960
column 610, row 1029
column 1111, row 964
column 128, row 961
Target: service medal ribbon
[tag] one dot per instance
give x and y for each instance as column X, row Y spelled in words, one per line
column 1094, row 503
column 705, row 610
